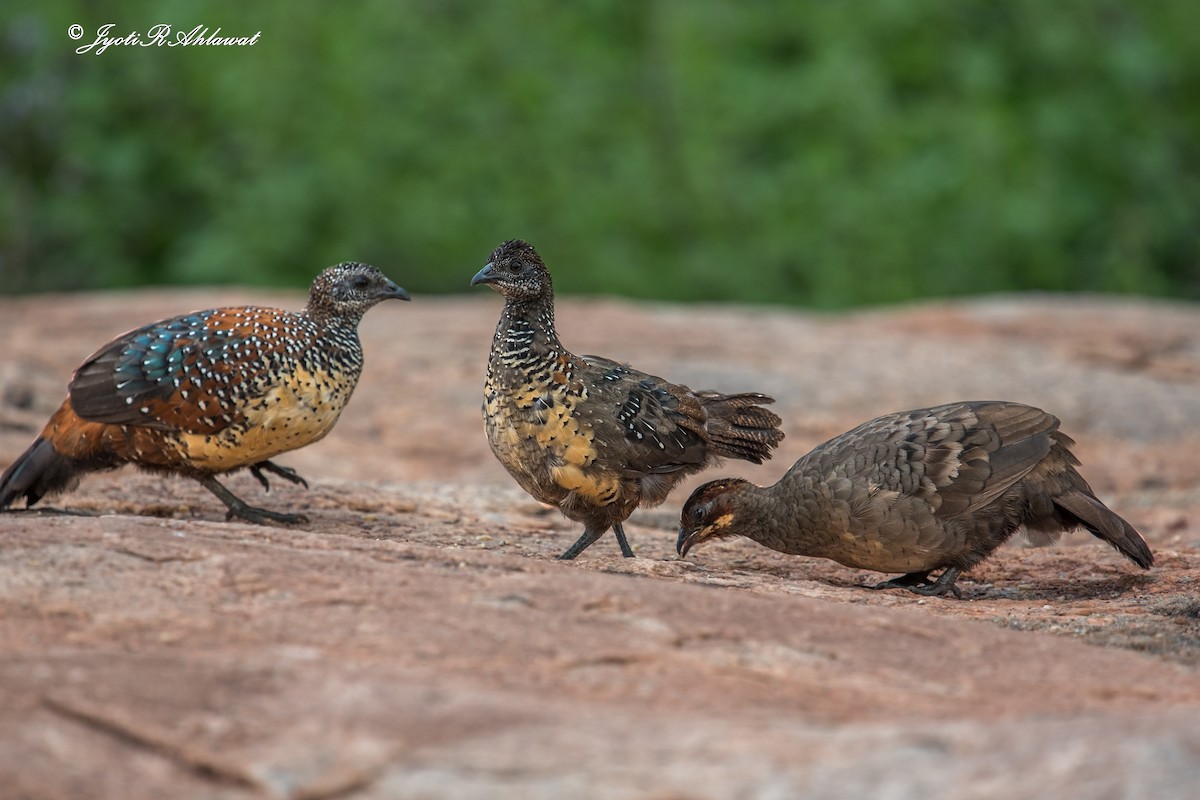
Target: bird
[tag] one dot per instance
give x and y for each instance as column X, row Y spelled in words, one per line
column 208, row 393
column 591, row 436
column 916, row 492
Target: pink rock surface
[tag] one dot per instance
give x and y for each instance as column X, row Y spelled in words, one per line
column 416, row 639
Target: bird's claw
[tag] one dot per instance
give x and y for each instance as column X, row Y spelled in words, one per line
column 287, row 473
column 918, row 583
column 263, row 516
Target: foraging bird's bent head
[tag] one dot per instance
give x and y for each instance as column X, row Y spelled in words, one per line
column 347, row 290
column 710, row 513
column 516, row 271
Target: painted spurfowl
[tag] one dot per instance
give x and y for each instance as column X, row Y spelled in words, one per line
column 209, row 392
column 932, row 489
column 590, row 436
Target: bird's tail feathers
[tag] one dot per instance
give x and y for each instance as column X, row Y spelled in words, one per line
column 739, row 427
column 41, row 470
column 1085, row 509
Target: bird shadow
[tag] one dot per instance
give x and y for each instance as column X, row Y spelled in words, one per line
column 49, row 512
column 1057, row 589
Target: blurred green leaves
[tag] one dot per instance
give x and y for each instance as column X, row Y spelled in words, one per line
column 821, row 153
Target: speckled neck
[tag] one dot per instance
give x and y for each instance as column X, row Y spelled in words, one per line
column 327, row 316
column 525, row 335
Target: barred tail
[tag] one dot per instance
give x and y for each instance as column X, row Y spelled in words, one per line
column 41, row 470
column 739, row 427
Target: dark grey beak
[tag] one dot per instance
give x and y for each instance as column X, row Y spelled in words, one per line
column 485, row 275
column 396, row 292
column 684, row 542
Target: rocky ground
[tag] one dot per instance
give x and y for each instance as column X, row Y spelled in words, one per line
column 416, row 639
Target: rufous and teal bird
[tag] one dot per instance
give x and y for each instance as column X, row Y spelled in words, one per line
column 208, row 393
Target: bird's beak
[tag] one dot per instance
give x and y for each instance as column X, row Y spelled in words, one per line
column 396, row 292
column 685, row 542
column 484, row 275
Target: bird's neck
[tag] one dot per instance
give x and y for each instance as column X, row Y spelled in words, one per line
column 758, row 517
column 326, row 318
column 338, row 334
column 525, row 336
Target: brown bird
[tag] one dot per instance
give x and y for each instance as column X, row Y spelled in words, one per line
column 932, row 489
column 590, row 436
column 208, row 393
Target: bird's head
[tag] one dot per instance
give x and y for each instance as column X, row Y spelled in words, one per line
column 710, row 513
column 349, row 289
column 516, row 271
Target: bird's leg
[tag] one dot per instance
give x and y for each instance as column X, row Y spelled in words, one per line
column 239, row 508
column 626, row 550
column 943, row 585
column 287, row 473
column 583, row 543
column 905, row 581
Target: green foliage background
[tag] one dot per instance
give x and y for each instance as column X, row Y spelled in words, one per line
column 821, row 153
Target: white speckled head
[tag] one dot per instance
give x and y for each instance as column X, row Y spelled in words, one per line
column 346, row 291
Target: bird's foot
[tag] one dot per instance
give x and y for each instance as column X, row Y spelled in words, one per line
column 918, row 583
column 287, row 473
column 240, row 509
column 262, row 516
column 942, row 586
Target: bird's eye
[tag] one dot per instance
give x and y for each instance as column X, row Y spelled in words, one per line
column 360, row 282
column 698, row 514
column 513, row 266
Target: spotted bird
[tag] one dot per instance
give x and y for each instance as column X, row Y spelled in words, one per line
column 208, row 393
